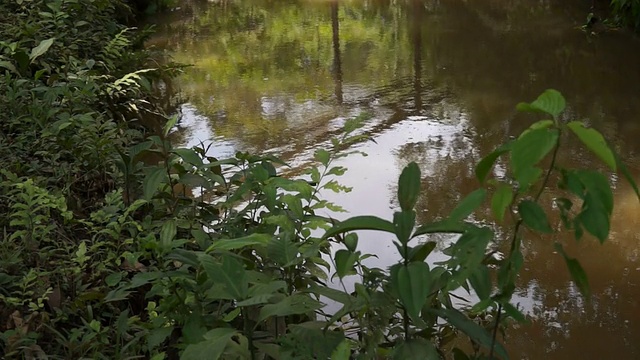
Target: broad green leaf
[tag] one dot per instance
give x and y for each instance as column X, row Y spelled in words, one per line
column 597, row 188
column 468, row 205
column 528, row 150
column 294, row 204
column 158, row 335
column 40, row 49
column 212, row 347
column 578, row 274
column 533, row 216
column 342, row 352
column 550, row 101
column 480, row 280
column 486, row 164
column 409, row 186
column 231, row 274
column 351, row 241
column 238, row 243
column 283, row 251
column 152, row 181
column 476, row 332
column 345, row 260
column 403, row 222
column 333, row 294
column 413, row 284
column 360, row 223
column 594, row 218
column 516, row 314
column 595, row 142
column 291, row 305
column 420, row 252
column 189, row 156
column 415, row 349
column 167, row 233
column 500, row 201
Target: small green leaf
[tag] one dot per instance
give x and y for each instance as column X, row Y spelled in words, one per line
column 595, row 142
column 152, row 181
column 291, row 305
column 404, row 221
column 468, row 205
column 530, row 149
column 167, row 233
column 445, row 226
column 413, row 284
column 40, row 49
column 627, row 175
column 578, row 274
column 345, row 260
column 480, row 280
column 550, row 101
column 189, row 156
column 239, row 243
column 171, row 122
column 360, row 223
column 486, row 164
column 9, row 66
column 500, row 201
column 476, row 332
column 231, row 274
column 533, row 216
column 409, row 186
column 322, row 156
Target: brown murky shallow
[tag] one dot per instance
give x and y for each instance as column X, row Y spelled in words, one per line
column 441, row 79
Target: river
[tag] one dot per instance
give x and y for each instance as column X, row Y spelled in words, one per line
column 441, row 80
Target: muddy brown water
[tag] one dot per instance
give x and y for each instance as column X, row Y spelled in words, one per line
column 441, row 80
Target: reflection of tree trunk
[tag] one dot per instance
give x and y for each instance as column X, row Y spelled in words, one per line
column 337, row 63
column 416, row 37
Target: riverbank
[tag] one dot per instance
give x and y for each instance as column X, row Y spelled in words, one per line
column 78, row 89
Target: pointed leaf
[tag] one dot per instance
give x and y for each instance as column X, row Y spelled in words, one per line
column 189, row 156
column 468, row 205
column 578, row 274
column 167, row 233
column 360, row 223
column 595, row 142
column 291, row 305
column 413, row 284
column 40, row 49
column 342, row 352
column 500, row 201
column 484, row 166
column 345, row 260
column 420, row 252
column 152, row 181
column 529, row 149
column 404, row 221
column 239, row 243
column 231, row 274
column 479, row 334
column 409, row 186
column 533, row 216
column 550, row 101
column 416, row 349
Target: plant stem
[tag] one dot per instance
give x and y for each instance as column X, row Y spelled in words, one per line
column 514, row 240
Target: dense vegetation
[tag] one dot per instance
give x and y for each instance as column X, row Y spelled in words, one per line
column 117, row 245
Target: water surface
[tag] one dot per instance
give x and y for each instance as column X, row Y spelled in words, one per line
column 441, row 80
